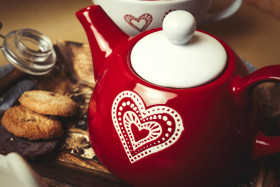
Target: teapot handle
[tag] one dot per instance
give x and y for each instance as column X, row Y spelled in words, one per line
column 264, row 145
column 217, row 16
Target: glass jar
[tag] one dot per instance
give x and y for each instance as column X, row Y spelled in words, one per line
column 29, row 51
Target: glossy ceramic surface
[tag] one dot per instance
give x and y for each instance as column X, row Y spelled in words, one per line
column 149, row 135
column 149, row 14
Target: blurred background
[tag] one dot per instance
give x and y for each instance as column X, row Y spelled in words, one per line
column 253, row 32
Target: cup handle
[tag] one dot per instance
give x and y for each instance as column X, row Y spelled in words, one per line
column 217, row 16
column 264, row 145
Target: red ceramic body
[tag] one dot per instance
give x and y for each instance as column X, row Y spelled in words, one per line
column 212, row 141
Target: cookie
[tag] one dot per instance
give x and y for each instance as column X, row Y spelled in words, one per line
column 48, row 103
column 25, row 123
column 29, row 149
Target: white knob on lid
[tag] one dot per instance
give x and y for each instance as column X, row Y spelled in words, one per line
column 179, row 26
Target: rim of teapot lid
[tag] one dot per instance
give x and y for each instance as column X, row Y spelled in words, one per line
column 178, row 56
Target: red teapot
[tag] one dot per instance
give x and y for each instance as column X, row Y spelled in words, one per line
column 173, row 106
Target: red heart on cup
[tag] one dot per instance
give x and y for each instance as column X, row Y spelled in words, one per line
column 141, row 23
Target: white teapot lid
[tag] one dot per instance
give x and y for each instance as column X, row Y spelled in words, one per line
column 178, row 56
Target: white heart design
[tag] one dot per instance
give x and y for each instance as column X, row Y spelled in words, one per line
column 154, row 128
column 144, row 131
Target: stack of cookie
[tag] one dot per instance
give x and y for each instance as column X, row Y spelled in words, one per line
column 35, row 120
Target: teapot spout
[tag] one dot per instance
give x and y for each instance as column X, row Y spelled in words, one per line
column 103, row 36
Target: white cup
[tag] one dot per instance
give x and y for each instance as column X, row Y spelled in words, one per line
column 135, row 16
